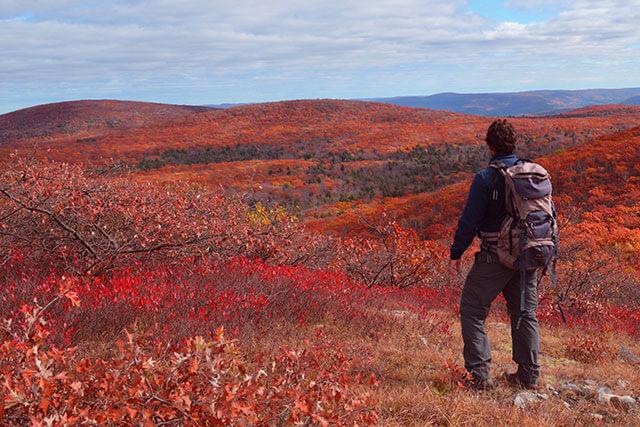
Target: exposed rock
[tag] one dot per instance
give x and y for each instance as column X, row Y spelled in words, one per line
column 424, row 340
column 597, row 417
column 570, row 390
column 524, row 398
column 590, row 391
column 604, row 395
column 628, row 356
column 570, row 387
column 605, row 390
column 551, row 389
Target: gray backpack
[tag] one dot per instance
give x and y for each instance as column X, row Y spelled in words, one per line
column 528, row 237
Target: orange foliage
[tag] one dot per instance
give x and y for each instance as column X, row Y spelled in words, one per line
column 203, row 383
column 242, row 176
column 601, row 178
column 342, row 125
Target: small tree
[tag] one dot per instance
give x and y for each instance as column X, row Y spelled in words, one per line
column 392, row 256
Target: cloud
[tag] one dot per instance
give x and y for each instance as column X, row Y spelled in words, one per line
column 222, row 48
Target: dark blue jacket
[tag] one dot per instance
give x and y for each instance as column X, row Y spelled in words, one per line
column 484, row 210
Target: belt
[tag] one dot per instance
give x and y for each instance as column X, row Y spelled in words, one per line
column 488, row 239
column 485, row 257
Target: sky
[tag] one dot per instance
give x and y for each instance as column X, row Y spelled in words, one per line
column 218, row 51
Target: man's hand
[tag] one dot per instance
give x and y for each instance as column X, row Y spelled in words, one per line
column 455, row 267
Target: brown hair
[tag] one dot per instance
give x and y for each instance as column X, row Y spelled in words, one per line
column 501, row 136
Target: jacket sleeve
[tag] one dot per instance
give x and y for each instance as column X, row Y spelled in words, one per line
column 471, row 218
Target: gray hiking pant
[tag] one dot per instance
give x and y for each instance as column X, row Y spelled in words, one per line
column 486, row 280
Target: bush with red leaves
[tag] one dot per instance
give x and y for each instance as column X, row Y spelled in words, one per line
column 203, row 383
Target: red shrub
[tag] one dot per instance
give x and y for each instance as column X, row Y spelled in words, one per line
column 206, row 382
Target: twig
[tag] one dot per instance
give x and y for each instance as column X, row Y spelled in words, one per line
column 55, row 219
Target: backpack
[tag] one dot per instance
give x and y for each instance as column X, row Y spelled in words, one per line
column 528, row 237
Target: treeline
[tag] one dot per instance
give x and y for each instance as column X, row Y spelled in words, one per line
column 242, row 152
column 420, row 169
column 340, row 175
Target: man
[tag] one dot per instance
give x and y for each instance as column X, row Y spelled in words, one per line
column 483, row 214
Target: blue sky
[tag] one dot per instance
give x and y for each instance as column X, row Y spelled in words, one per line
column 500, row 10
column 215, row 51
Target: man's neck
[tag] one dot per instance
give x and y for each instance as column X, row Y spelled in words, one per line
column 500, row 155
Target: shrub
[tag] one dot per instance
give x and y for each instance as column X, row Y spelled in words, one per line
column 206, row 382
column 69, row 221
column 588, row 350
column 392, row 256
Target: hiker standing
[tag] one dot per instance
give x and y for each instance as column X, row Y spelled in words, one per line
column 509, row 207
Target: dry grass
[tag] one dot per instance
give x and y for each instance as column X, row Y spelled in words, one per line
column 417, row 367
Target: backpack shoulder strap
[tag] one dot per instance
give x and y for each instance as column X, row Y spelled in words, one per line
column 501, row 169
column 499, row 166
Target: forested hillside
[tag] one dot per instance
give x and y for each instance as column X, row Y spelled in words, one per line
column 306, row 154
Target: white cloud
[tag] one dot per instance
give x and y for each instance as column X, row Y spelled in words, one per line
column 69, row 46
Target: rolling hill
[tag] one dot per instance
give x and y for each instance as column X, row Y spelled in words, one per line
column 599, row 178
column 635, row 100
column 303, row 154
column 86, row 119
column 515, row 103
column 303, row 129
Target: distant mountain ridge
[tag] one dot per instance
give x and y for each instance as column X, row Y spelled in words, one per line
column 632, row 101
column 517, row 103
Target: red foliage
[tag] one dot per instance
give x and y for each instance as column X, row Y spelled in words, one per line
column 187, row 299
column 85, row 120
column 325, row 125
column 87, row 257
column 68, row 220
column 588, row 350
column 452, row 376
column 204, row 382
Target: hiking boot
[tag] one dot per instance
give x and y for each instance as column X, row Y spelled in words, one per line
column 479, row 383
column 514, row 380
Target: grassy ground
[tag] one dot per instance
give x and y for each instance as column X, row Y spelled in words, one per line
column 419, row 368
column 418, row 376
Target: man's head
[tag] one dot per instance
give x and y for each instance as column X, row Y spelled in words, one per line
column 501, row 137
